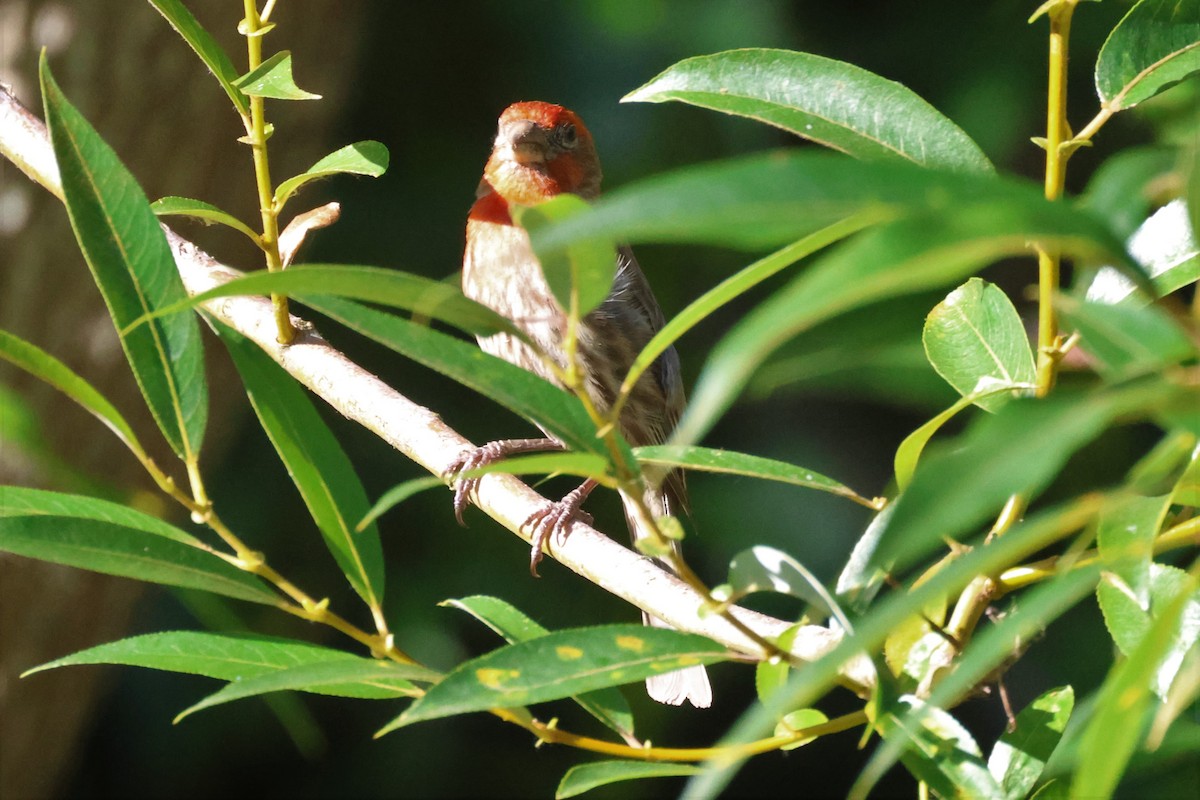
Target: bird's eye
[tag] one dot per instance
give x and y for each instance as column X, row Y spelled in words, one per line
column 566, row 136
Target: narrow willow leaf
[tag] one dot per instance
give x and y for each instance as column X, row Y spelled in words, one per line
column 772, row 199
column 559, row 664
column 273, row 79
column 900, row 258
column 585, row 777
column 939, row 750
column 202, row 42
column 737, row 285
column 607, row 705
column 1125, row 537
column 765, row 569
column 143, row 552
column 806, row 686
column 910, row 450
column 187, row 207
column 1114, row 730
column 395, row 496
column 232, row 657
column 1156, row 45
column 830, row 102
column 45, row 367
column 581, row 276
column 131, row 261
column 1166, row 248
column 1128, row 621
column 1017, row 760
column 429, row 298
column 1126, row 340
column 1018, row 450
column 317, row 463
column 560, row 414
column 707, row 459
column 975, row 335
column 367, row 157
column 370, row 673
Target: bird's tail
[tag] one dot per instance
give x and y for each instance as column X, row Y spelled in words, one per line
column 689, row 683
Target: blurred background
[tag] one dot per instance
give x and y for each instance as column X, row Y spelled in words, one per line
column 429, row 80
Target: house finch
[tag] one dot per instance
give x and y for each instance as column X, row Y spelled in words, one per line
column 540, row 151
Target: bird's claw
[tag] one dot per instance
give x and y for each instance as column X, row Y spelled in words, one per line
column 552, row 520
column 467, row 461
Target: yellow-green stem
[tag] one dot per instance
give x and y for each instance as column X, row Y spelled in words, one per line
column 257, row 137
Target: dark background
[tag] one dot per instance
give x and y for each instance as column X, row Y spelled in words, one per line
column 429, row 79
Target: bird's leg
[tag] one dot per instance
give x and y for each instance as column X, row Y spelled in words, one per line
column 490, row 453
column 554, row 518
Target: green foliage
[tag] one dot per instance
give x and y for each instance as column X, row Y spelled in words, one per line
column 910, row 208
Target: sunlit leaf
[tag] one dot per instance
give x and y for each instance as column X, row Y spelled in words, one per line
column 831, row 102
column 1017, row 760
column 765, row 569
column 975, row 336
column 187, row 207
column 1166, row 248
column 202, row 42
column 368, row 158
column 1156, row 45
column 230, row 657
column 132, row 263
column 581, row 276
column 316, row 462
column 273, row 78
column 607, row 705
column 585, row 777
column 560, row 664
column 1125, row 537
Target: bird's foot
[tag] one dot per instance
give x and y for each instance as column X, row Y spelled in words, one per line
column 553, row 519
column 489, row 453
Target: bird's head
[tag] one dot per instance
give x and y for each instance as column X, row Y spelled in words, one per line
column 541, row 150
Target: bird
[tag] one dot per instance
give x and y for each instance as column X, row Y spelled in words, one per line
column 542, row 150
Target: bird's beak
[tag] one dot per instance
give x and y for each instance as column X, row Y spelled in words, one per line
column 526, row 140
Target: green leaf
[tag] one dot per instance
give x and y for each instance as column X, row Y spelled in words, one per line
column 581, row 275
column 105, row 537
column 1166, row 248
column 316, row 677
column 429, row 298
column 939, row 750
column 560, row 414
column 361, row 158
column 1156, row 45
column 1120, row 190
column 1128, row 620
column 273, row 78
column 765, row 569
column 424, row 297
column 317, row 463
column 1125, row 538
column 395, row 496
column 830, row 102
column 1019, row 757
column 1115, row 728
column 585, row 777
column 900, row 258
column 205, row 46
column 233, row 657
column 607, row 705
column 585, row 465
column 707, row 459
column 1126, row 340
column 975, row 336
column 187, row 207
column 131, row 261
column 797, row 721
column 559, row 664
column 772, row 199
column 1018, row 450
column 45, row 367
column 910, row 450
column 772, row 674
